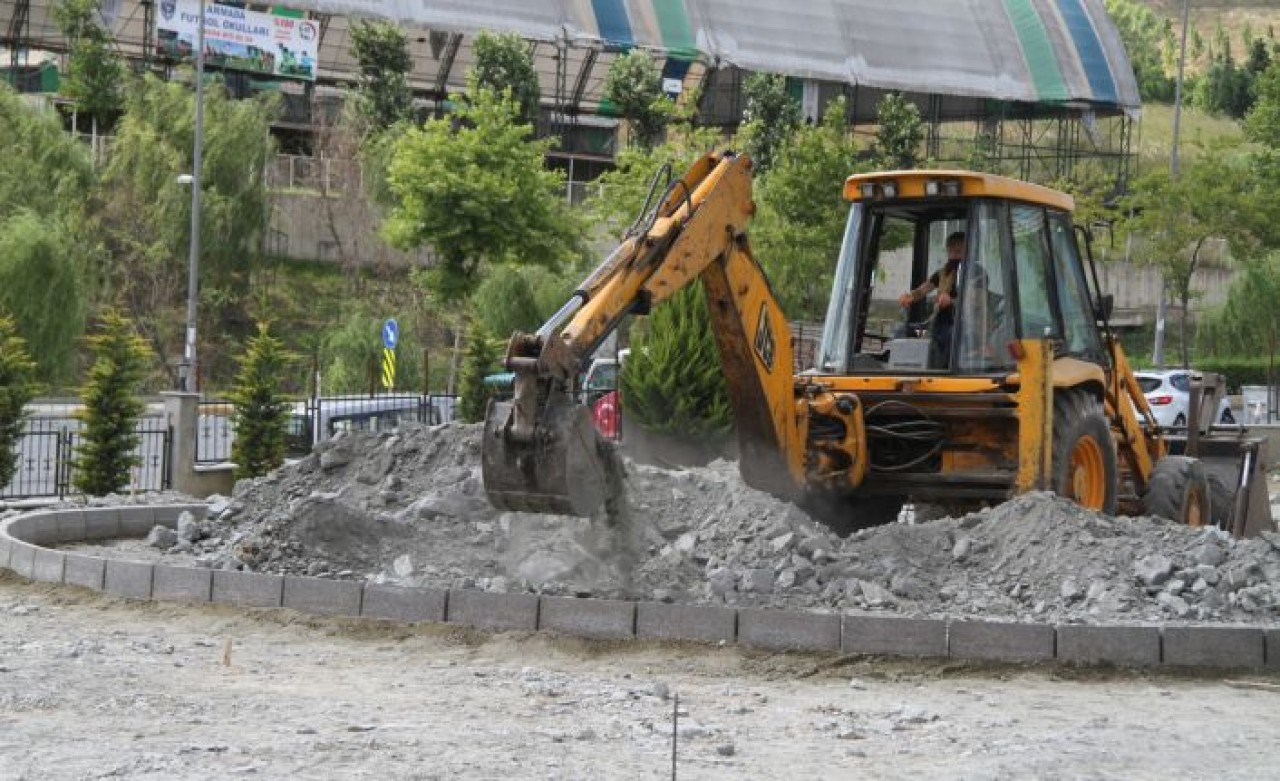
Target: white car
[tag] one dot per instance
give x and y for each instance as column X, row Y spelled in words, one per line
column 1169, row 393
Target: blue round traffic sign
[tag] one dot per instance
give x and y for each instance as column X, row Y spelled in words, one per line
column 390, row 334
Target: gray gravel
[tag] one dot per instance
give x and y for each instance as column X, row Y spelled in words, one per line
column 410, row 509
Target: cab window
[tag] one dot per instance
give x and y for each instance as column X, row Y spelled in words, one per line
column 1081, row 330
column 1031, row 253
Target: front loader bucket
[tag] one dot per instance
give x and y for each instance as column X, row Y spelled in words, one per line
column 560, row 469
column 1237, row 472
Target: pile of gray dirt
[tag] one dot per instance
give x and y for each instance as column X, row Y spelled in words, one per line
column 409, row 509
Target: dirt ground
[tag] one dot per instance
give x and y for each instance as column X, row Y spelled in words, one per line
column 97, row 687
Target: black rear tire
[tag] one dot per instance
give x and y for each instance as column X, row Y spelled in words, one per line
column 1085, row 467
column 1179, row 490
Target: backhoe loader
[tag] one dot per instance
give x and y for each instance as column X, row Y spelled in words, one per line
column 1022, row 386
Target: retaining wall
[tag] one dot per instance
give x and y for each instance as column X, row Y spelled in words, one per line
column 26, row 548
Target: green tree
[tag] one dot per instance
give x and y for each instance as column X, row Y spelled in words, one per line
column 1262, row 124
column 801, row 213
column 1250, row 317
column 112, row 407
column 143, row 214
column 1176, row 217
column 481, row 360
column 45, row 170
column 95, row 70
column 40, row 285
column 1144, row 33
column 504, row 303
column 623, row 190
column 17, row 387
column 673, row 383
column 381, row 52
column 901, row 131
column 504, row 62
column 261, row 412
column 474, row 188
column 633, row 88
column 769, row 119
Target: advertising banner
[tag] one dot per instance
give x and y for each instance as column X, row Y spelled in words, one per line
column 237, row 39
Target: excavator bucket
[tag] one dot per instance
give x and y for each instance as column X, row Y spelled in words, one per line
column 561, row 468
column 1236, row 467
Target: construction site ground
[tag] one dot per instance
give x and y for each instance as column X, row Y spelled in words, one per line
column 98, row 687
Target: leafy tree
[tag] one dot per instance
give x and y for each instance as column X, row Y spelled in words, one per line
column 17, row 387
column 45, row 170
column 504, row 303
column 771, row 116
column 95, row 70
column 673, row 383
column 633, row 87
column 474, row 188
column 144, row 215
column 901, row 132
column 261, row 413
column 1143, row 33
column 40, row 284
column 1262, row 124
column 112, row 407
column 481, row 361
column 504, row 62
column 1176, row 217
column 623, row 190
column 801, row 217
column 381, row 52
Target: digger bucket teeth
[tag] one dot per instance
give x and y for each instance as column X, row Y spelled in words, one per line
column 561, row 470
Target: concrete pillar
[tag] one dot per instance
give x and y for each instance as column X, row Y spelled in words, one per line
column 183, row 413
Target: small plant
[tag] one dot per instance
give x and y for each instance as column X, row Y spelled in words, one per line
column 261, row 413
column 480, row 361
column 112, row 406
column 17, row 386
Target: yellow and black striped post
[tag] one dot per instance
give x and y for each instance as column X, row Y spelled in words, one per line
column 388, row 369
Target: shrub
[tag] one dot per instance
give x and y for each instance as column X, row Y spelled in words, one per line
column 17, row 371
column 112, row 407
column 261, row 413
column 481, row 360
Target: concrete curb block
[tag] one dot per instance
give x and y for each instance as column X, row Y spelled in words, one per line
column 248, row 589
column 101, row 523
column 49, row 566
column 322, row 597
column 1227, row 647
column 785, row 630
column 22, row 559
column 887, row 635
column 492, row 611
column 182, row 584
column 128, row 578
column 699, row 623
column 1000, row 642
column 598, row 618
column 399, row 603
column 86, row 571
column 1122, row 646
column 22, row 550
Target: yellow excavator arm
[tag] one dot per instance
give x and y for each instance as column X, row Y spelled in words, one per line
column 540, row 451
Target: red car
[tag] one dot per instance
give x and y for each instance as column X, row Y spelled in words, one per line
column 606, row 413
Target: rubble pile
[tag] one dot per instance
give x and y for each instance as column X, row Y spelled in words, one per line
column 409, row 508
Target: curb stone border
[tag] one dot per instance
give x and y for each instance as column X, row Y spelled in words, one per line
column 22, row 550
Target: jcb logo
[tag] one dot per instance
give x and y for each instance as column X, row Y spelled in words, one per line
column 764, row 343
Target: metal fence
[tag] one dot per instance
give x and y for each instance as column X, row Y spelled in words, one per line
column 47, row 450
column 317, row 419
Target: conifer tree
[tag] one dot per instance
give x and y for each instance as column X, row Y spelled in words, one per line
column 17, row 372
column 261, row 413
column 112, row 406
column 480, row 360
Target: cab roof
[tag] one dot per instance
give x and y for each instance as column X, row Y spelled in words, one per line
column 912, row 185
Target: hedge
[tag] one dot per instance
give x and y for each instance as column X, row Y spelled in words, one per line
column 1238, row 371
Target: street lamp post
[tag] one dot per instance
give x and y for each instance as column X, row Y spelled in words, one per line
column 188, row 371
column 1157, row 351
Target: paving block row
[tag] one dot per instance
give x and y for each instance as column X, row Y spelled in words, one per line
column 1226, row 647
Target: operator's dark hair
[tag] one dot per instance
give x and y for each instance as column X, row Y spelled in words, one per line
column 955, row 238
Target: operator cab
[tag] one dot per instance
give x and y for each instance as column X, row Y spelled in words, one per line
column 1019, row 250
